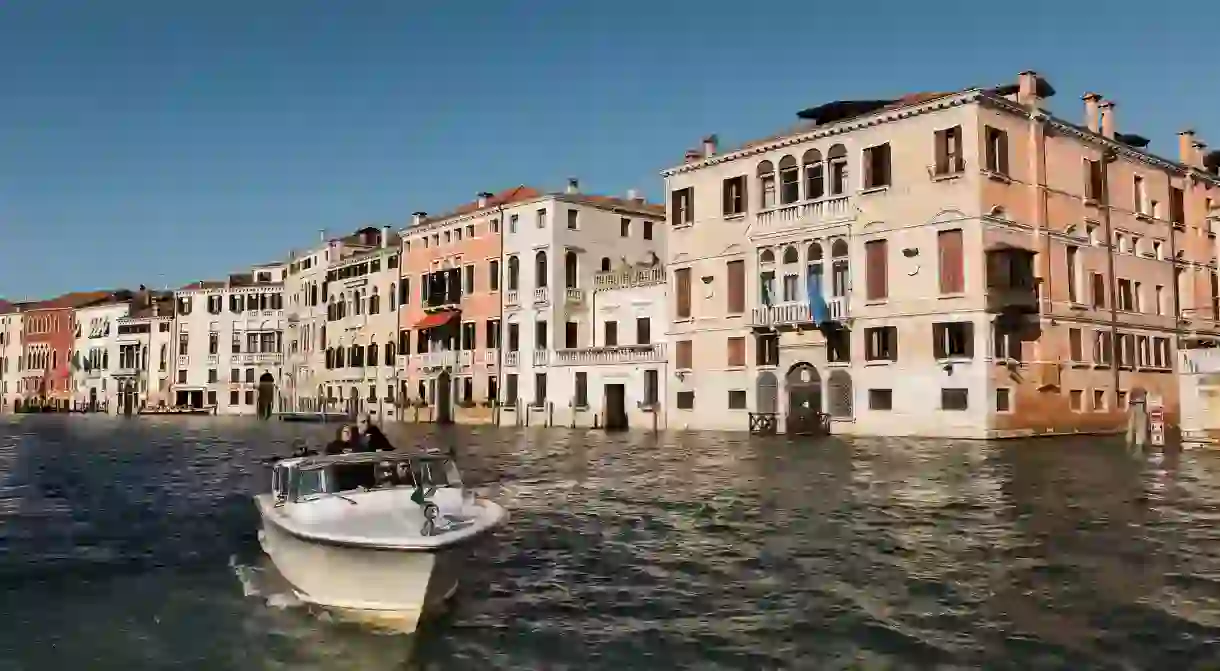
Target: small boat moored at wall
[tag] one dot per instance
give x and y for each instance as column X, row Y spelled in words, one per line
column 378, row 537
column 313, row 417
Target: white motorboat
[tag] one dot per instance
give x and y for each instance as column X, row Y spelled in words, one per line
column 377, row 536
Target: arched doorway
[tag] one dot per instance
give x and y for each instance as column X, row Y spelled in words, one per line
column 266, row 395
column 127, row 397
column 804, row 386
column 444, row 388
column 92, row 399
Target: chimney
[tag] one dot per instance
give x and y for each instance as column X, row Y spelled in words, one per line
column 573, row 186
column 1090, row 111
column 417, row 218
column 385, row 236
column 709, row 145
column 1027, row 88
column 321, row 235
column 1106, row 111
column 632, row 194
column 1186, row 148
column 692, row 155
column 483, row 198
column 1199, row 148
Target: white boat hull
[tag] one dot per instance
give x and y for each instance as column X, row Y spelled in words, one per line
column 389, row 588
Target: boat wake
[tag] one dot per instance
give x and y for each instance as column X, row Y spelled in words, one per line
column 262, row 581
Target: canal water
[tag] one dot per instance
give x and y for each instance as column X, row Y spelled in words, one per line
column 131, row 544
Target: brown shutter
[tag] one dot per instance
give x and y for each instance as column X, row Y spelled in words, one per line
column 726, row 197
column 690, row 204
column 942, row 152
column 683, row 355
column 682, row 287
column 1099, row 291
column 1003, row 152
column 737, row 286
column 876, row 272
column 737, row 352
column 949, row 254
column 938, row 341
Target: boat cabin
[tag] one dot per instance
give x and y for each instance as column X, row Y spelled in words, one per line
column 306, row 478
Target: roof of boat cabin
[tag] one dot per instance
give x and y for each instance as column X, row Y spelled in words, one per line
column 322, row 461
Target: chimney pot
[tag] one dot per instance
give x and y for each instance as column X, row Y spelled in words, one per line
column 1027, row 88
column 573, row 185
column 709, row 145
column 1090, row 111
column 1106, row 112
column 632, row 194
column 483, row 198
column 322, row 235
column 417, row 218
column 1186, row 148
column 385, row 236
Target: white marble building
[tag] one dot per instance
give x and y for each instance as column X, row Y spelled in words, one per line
column 229, row 342
column 10, row 356
column 361, row 328
column 142, row 353
column 553, row 247
column 93, row 353
column 616, row 380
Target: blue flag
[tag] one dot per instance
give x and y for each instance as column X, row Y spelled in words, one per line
column 818, row 310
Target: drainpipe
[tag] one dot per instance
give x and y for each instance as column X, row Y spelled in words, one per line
column 1109, row 156
column 502, row 283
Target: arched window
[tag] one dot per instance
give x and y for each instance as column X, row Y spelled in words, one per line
column 514, row 273
column 789, row 181
column 836, row 160
column 766, row 184
column 389, row 353
column 605, row 263
column 374, row 303
column 569, row 269
column 815, row 182
column 372, row 354
column 392, row 295
column 790, row 255
column 766, row 256
column 540, row 272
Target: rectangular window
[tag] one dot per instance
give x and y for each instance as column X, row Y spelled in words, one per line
column 1073, row 273
column 685, row 400
column 736, row 352
column 683, row 355
column 880, row 399
column 1139, row 195
column 682, row 207
column 766, row 349
column 1158, row 297
column 1102, row 348
column 611, row 333
column 949, row 151
column 1125, row 301
column 493, row 275
column 1092, row 179
column 540, row 217
column 1003, row 399
column 737, row 399
column 539, row 390
column 213, row 343
column 514, row 337
column 838, row 346
column 1075, row 345
column 1099, row 400
column 510, row 388
column 234, row 375
column 512, row 223
column 573, row 221
column 734, row 191
column 736, row 274
column 996, row 150
column 652, row 387
column 467, row 335
column 581, row 399
column 647, row 230
column 540, row 334
column 213, row 376
column 877, row 166
column 249, row 398
column 1099, row 291
column 881, row 343
column 643, row 331
column 876, row 274
column 469, row 283
column 954, row 399
column 953, row 340
column 181, row 377
column 952, row 263
column 624, row 227
column 1076, row 400
column 570, row 335
column 491, row 335
column 234, row 397
column 683, row 289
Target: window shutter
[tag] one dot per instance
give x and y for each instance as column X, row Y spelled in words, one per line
column 682, row 286
column 876, row 272
column 942, row 152
column 1003, row 148
column 949, row 247
column 938, row 341
column 737, row 286
column 893, row 331
column 969, row 331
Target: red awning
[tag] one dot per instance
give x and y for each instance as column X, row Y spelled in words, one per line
column 436, row 319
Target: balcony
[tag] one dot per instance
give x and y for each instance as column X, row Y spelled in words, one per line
column 512, row 297
column 542, row 295
column 491, row 357
column 402, row 361
column 625, row 279
column 466, row 358
column 127, row 371
column 541, row 357
column 600, row 356
column 511, row 358
column 808, row 214
column 265, row 358
column 213, row 359
column 574, row 296
column 434, row 360
column 793, row 314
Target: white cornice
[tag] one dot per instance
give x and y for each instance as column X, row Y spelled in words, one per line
column 855, row 123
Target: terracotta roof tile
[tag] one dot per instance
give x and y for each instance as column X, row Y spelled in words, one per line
column 513, row 195
column 614, row 201
column 71, row 300
column 203, row 284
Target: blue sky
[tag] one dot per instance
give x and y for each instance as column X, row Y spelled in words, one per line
column 145, row 141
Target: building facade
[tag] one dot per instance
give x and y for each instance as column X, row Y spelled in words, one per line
column 95, row 333
column 950, row 264
column 554, row 248
column 450, row 307
column 49, row 334
column 305, row 329
column 360, row 288
column 10, row 356
column 228, row 336
column 616, row 379
column 141, row 361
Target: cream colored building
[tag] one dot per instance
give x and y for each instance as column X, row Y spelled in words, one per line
column 957, row 250
column 93, row 385
column 10, row 356
column 141, row 356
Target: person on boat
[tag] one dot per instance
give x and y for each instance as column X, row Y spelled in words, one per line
column 371, row 438
column 345, row 441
